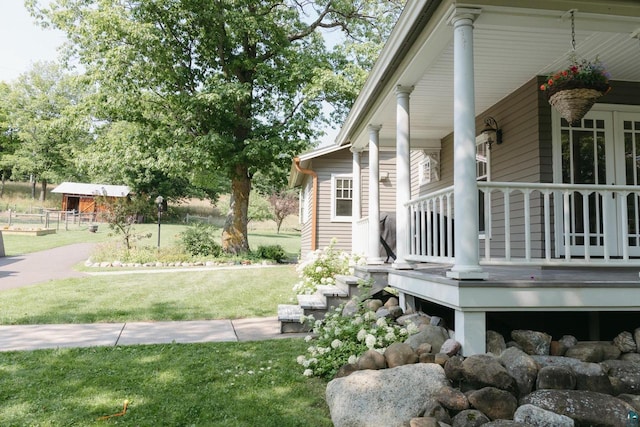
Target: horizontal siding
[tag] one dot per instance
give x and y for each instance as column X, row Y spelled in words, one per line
column 340, row 162
column 387, row 160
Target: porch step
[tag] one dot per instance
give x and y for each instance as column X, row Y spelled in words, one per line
column 290, row 317
column 312, row 302
column 349, row 283
column 334, row 295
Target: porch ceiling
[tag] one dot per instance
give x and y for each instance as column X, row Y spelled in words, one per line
column 512, row 45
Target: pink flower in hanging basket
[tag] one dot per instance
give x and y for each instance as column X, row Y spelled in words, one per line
column 579, row 75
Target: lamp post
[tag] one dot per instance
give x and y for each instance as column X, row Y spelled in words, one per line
column 160, row 205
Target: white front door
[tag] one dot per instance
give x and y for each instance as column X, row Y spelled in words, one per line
column 603, row 150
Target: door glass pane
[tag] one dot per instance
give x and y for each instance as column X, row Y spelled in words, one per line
column 632, row 175
column 583, row 162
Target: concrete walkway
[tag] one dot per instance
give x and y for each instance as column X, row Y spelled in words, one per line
column 32, row 337
column 58, row 263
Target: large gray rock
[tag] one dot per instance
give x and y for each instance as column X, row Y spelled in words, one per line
column 384, row 398
column 584, row 407
column 495, row 343
column 398, row 354
column 535, row 416
column 434, row 335
column 593, row 351
column 631, row 399
column 494, row 403
column 532, row 342
column 371, row 359
column 636, row 337
column 486, row 370
column 625, row 342
column 589, row 376
column 556, row 378
column 521, row 367
column 624, row 376
column 453, row 369
column 452, row 398
column 469, row 418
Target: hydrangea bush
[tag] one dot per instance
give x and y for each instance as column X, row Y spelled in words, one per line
column 342, row 339
column 321, row 266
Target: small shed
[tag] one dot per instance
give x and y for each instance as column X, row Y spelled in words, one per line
column 81, row 197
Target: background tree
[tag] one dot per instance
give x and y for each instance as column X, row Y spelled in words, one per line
column 8, row 138
column 42, row 107
column 231, row 87
column 283, row 203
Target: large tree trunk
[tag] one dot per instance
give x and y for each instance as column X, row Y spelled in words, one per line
column 43, row 191
column 234, row 234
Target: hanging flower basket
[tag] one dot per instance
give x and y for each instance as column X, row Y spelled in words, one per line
column 573, row 91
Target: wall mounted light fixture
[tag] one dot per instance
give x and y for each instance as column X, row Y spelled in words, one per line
column 491, row 132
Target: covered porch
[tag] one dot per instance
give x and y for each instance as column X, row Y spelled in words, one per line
column 554, row 208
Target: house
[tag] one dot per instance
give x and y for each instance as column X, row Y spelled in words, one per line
column 506, row 216
column 81, row 197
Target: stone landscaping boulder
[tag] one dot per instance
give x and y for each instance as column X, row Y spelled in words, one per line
column 494, row 403
column 469, row 418
column 521, row 367
column 532, row 342
column 593, row 351
column 631, row 399
column 434, row 410
column 452, row 398
column 495, row 343
column 623, row 375
column 589, row 376
column 486, row 370
column 535, row 416
column 636, row 338
column 584, row 407
column 384, row 398
column 454, row 369
column 398, row 354
column 556, row 378
column 450, row 347
column 625, row 342
column 434, row 335
column 371, row 359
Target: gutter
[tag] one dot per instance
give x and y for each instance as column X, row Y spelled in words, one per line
column 314, row 200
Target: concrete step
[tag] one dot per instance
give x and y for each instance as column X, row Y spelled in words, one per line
column 349, row 282
column 334, row 295
column 290, row 317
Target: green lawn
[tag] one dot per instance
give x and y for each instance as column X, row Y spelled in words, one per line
column 216, row 384
column 169, row 236
column 213, row 384
column 188, row 295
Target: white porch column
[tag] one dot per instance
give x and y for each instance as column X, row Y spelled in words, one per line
column 471, row 332
column 373, row 251
column 465, row 193
column 403, row 176
column 356, row 207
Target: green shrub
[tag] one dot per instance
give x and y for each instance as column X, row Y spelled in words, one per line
column 339, row 339
column 199, row 240
column 272, row 252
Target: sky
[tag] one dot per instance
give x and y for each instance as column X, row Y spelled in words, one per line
column 22, row 42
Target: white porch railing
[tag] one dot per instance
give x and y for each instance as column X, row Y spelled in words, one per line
column 535, row 224
column 360, row 244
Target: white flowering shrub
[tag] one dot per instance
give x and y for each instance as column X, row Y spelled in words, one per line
column 342, row 339
column 321, row 266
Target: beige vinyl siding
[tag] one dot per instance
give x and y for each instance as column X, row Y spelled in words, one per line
column 521, row 157
column 387, row 160
column 337, row 163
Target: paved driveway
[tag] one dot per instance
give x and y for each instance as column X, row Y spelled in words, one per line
column 38, row 267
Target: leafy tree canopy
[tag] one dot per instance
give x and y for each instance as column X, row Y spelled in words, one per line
column 232, row 87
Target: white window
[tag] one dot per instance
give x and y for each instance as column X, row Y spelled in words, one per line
column 342, row 199
column 305, row 203
column 483, row 173
column 430, row 167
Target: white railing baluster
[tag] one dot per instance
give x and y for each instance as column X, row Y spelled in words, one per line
column 547, row 227
column 527, row 224
column 585, row 223
column 566, row 205
column 605, row 223
column 625, row 225
column 487, row 223
column 443, row 238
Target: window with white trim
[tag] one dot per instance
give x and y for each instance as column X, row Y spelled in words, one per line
column 483, row 173
column 342, row 199
column 305, row 203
